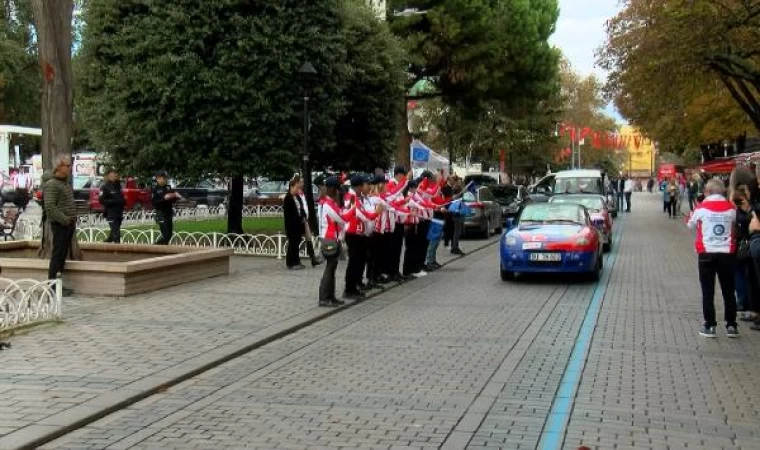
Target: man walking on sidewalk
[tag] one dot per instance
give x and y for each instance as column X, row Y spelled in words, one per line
column 628, row 191
column 715, row 221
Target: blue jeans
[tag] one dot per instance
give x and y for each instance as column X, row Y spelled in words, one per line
column 432, row 250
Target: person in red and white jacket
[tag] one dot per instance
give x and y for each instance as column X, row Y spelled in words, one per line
column 332, row 226
column 715, row 222
column 356, row 239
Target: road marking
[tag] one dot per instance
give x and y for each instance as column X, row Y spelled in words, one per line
column 553, row 434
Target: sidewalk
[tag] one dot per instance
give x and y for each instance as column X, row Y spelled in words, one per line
column 114, row 351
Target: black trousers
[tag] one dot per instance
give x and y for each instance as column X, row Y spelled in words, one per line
column 375, row 261
column 672, row 207
column 166, row 226
column 292, row 258
column 628, row 201
column 327, row 285
column 62, row 236
column 448, row 229
column 397, row 247
column 422, row 243
column 721, row 265
column 114, row 223
column 357, row 260
column 410, row 250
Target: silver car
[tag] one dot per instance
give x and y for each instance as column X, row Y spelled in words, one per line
column 486, row 216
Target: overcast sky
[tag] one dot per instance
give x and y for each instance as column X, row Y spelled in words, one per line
column 580, row 31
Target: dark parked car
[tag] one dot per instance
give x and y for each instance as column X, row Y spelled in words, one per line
column 486, row 212
column 202, row 192
column 480, row 180
column 512, row 199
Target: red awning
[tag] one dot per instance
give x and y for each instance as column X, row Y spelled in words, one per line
column 718, row 166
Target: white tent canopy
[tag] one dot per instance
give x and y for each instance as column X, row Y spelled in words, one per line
column 424, row 158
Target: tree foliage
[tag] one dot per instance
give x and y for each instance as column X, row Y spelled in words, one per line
column 19, row 75
column 213, row 86
column 686, row 71
column 479, row 53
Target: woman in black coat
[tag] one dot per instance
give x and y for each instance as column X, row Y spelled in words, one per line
column 294, row 226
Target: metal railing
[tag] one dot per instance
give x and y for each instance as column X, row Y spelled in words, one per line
column 243, row 244
column 32, row 228
column 26, row 302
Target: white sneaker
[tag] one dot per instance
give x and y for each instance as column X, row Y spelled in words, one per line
column 420, row 274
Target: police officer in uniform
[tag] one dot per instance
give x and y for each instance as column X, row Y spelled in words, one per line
column 164, row 198
column 112, row 199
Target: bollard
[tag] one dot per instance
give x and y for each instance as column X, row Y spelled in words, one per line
column 59, row 293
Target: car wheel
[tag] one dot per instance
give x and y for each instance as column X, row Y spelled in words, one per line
column 596, row 275
column 506, row 275
column 608, row 246
column 137, row 206
column 487, row 231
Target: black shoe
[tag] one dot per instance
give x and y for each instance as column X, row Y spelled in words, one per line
column 384, row 279
column 326, row 304
column 315, row 263
column 298, row 267
column 708, row 332
column 336, row 302
column 732, row 332
column 457, row 252
column 437, row 265
column 354, row 296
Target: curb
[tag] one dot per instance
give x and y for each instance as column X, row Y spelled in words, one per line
column 65, row 422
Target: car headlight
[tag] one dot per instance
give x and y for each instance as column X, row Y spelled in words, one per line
column 582, row 241
column 510, row 240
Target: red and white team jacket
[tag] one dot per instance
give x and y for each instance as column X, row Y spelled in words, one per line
column 714, row 220
column 332, row 220
column 358, row 223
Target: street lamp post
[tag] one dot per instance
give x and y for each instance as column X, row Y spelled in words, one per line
column 307, row 73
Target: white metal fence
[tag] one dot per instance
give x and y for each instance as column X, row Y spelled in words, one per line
column 242, row 244
column 31, row 228
column 25, row 302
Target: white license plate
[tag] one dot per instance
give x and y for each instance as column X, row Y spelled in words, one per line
column 546, row 257
column 532, row 246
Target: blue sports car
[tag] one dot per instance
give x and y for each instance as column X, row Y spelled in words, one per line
column 550, row 238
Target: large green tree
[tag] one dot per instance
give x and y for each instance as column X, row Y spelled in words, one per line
column 366, row 132
column 19, row 75
column 211, row 87
column 686, row 71
column 480, row 51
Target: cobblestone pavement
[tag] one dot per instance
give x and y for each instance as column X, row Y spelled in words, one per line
column 110, row 350
column 459, row 359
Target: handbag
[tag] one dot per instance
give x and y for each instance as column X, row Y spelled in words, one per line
column 330, row 248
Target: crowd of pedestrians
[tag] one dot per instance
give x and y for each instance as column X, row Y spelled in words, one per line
column 378, row 219
column 728, row 246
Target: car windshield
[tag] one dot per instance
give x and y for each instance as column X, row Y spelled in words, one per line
column 546, row 213
column 578, row 185
column 480, row 180
column 592, row 203
column 504, row 194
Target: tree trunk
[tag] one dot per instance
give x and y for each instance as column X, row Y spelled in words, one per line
column 235, row 210
column 404, row 139
column 54, row 34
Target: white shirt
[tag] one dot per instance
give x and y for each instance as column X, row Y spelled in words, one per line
column 22, row 181
column 628, row 186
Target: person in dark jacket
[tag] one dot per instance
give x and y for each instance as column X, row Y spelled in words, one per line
column 60, row 211
column 164, row 198
column 112, row 199
column 294, row 226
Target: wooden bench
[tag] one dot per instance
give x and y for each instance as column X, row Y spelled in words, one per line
column 8, row 221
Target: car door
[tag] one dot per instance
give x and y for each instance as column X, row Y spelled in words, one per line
column 491, row 206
